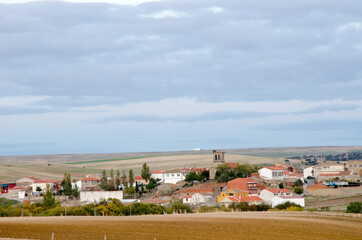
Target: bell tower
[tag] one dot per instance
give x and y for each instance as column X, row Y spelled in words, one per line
column 218, row 158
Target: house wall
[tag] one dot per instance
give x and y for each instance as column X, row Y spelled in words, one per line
column 43, row 186
column 173, row 177
column 268, row 174
column 157, row 175
column 96, row 196
column 277, row 200
column 266, row 196
column 308, row 172
column 356, row 166
column 328, row 169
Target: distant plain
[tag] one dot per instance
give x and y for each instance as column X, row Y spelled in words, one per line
column 54, row 166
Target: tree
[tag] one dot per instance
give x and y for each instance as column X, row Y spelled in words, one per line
column 48, row 199
column 354, row 207
column 298, row 190
column 281, row 185
column 146, row 173
column 75, row 191
column 67, row 184
column 104, row 181
column 38, row 189
column 118, row 179
column 191, row 176
column 124, row 180
column 130, row 177
column 137, row 188
column 298, row 183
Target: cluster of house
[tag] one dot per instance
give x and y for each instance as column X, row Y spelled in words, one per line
column 335, row 171
column 236, row 191
column 261, row 187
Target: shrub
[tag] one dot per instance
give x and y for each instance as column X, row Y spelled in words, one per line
column 298, row 190
column 287, row 205
column 354, row 207
column 295, row 208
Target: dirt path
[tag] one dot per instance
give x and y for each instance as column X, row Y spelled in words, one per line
column 334, row 202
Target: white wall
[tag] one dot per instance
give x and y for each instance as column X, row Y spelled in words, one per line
column 173, row 177
column 277, row 200
column 157, row 175
column 267, row 173
column 266, row 196
column 91, row 196
column 308, row 172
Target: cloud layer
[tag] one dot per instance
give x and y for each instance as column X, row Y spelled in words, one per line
column 172, row 74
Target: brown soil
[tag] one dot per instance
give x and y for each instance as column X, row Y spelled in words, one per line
column 247, row 225
column 334, row 202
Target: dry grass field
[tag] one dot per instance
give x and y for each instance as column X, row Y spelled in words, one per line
column 12, row 170
column 14, row 167
column 246, row 225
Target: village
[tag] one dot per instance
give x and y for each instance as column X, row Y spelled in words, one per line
column 223, row 184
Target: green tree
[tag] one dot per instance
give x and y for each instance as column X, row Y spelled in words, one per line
column 130, row 177
column 104, row 181
column 191, row 176
column 137, row 188
column 281, row 185
column 124, row 180
column 298, row 183
column 38, row 189
column 146, row 173
column 223, row 168
column 118, row 179
column 354, row 207
column 75, row 191
column 48, row 199
column 67, row 184
column 298, row 190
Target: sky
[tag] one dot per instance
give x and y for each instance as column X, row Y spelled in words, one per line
column 135, row 76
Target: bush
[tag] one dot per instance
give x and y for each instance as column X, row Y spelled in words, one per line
column 354, row 207
column 298, row 190
column 287, row 205
column 179, row 208
column 295, row 208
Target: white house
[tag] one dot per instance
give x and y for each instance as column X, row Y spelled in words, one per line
column 173, row 176
column 328, row 168
column 42, row 184
column 272, row 173
column 308, row 172
column 282, row 199
column 268, row 194
column 196, row 198
column 158, row 174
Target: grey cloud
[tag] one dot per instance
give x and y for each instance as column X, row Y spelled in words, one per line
column 215, row 116
column 250, row 51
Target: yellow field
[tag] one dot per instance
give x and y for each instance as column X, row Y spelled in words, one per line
column 247, row 225
column 12, row 170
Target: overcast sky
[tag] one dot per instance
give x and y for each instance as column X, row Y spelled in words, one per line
column 127, row 75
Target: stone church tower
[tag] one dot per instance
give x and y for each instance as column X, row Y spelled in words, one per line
column 218, row 158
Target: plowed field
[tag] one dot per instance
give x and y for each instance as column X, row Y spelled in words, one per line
column 267, row 225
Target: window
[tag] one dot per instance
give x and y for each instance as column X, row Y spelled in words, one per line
column 178, row 174
column 167, row 175
column 172, row 175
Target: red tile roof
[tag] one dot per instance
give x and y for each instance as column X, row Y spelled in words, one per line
column 187, row 196
column 278, row 190
column 91, row 179
column 157, row 171
column 275, row 168
column 245, row 199
column 232, row 165
column 242, row 184
column 45, row 181
column 138, row 178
